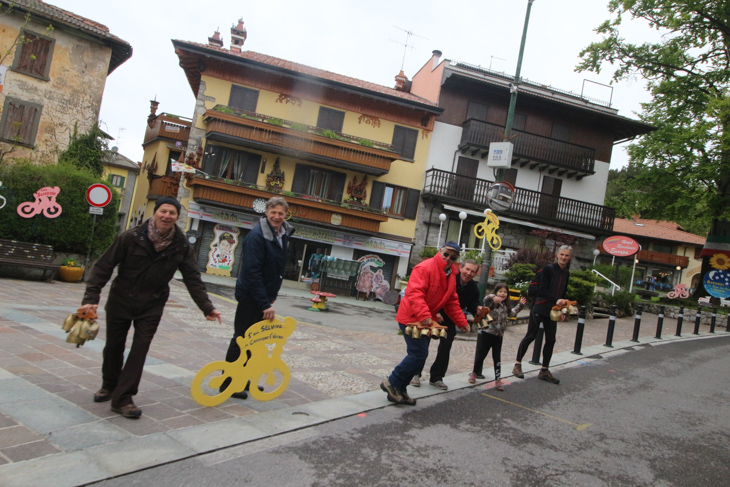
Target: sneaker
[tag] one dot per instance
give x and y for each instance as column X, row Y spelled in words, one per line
column 480, row 377
column 472, row 378
column 498, row 385
column 517, row 371
column 102, row 395
column 407, row 400
column 128, row 411
column 416, row 381
column 439, row 384
column 393, row 394
column 240, row 395
column 546, row 375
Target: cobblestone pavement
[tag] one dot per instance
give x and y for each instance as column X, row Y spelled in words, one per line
column 46, row 384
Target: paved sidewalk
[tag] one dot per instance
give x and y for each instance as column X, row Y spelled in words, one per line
column 49, row 423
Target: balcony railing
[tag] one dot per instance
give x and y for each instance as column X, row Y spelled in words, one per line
column 556, row 156
column 663, row 258
column 532, row 205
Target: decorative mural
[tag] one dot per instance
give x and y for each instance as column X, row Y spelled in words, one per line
column 222, row 250
column 369, row 281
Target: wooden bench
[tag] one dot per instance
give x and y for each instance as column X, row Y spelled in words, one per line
column 24, row 254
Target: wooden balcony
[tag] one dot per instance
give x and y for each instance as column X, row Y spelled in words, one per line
column 531, row 205
column 538, row 152
column 163, row 186
column 673, row 260
column 301, row 208
column 168, row 127
column 249, row 132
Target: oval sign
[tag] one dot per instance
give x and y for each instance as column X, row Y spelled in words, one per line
column 717, row 283
column 621, row 246
column 98, row 195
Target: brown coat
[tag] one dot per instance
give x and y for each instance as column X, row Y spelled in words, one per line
column 141, row 287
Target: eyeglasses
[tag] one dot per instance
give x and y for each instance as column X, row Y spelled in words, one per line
column 448, row 255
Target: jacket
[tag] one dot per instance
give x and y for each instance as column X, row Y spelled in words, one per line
column 264, row 260
column 468, row 298
column 553, row 286
column 499, row 313
column 429, row 291
column 142, row 285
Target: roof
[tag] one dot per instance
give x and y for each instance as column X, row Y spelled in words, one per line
column 114, row 158
column 289, row 67
column 121, row 49
column 656, row 229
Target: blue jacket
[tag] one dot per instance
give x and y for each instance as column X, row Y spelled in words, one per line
column 263, row 264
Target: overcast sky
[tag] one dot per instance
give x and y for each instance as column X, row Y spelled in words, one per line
column 361, row 39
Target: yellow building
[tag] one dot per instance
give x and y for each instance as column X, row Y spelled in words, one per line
column 121, row 174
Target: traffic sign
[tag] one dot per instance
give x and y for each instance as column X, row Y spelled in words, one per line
column 98, row 195
column 94, row 210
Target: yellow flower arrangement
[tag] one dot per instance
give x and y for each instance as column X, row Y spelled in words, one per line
column 70, row 262
column 720, row 261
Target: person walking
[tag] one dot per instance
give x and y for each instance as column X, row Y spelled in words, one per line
column 491, row 335
column 147, row 258
column 260, row 277
column 468, row 293
column 552, row 288
column 431, row 287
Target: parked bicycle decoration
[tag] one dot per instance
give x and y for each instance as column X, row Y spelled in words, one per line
column 680, row 291
column 2, row 198
column 488, row 229
column 45, row 202
column 260, row 363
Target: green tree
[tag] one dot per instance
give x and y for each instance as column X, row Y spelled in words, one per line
column 687, row 159
column 86, row 151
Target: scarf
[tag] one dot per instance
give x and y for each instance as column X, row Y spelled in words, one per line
column 158, row 240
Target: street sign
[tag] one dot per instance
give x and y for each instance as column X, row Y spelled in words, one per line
column 717, row 283
column 98, row 195
column 621, row 246
column 93, row 210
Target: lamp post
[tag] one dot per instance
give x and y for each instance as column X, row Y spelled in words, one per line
column 462, row 217
column 596, row 253
column 679, row 268
column 631, row 286
column 442, row 217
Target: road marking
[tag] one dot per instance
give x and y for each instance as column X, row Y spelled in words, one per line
column 579, row 427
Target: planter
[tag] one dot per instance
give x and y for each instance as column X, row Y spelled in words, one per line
column 70, row 274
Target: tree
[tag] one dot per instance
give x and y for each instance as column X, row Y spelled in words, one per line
column 686, row 161
column 86, row 151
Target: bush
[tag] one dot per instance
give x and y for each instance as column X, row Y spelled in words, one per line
column 71, row 230
column 531, row 256
column 623, row 300
column 520, row 275
column 581, row 286
column 428, row 252
column 86, row 151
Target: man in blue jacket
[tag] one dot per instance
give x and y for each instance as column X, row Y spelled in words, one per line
column 262, row 270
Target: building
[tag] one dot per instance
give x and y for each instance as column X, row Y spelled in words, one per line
column 52, row 77
column 347, row 155
column 559, row 167
column 121, row 173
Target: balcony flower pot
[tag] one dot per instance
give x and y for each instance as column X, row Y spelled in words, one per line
column 70, row 274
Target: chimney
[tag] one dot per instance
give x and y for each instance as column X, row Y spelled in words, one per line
column 216, row 39
column 153, row 112
column 436, row 57
column 238, row 36
column 401, row 82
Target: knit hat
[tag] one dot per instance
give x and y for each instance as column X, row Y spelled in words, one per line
column 453, row 246
column 167, row 200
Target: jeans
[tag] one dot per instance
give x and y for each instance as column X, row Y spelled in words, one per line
column 412, row 364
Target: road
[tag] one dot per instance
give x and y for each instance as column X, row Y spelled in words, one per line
column 655, row 415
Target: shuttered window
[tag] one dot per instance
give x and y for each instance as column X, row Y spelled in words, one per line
column 313, row 181
column 243, row 98
column 19, row 123
column 395, row 200
column 33, row 55
column 329, row 119
column 404, row 142
column 225, row 163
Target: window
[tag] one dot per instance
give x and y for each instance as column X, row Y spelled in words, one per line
column 477, row 111
column 321, row 183
column 560, row 132
column 33, row 55
column 665, row 249
column 243, row 98
column 19, row 123
column 329, row 119
column 404, row 142
column 395, row 200
column 116, row 180
column 519, row 121
column 225, row 163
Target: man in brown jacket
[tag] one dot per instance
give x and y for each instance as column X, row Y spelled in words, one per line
column 147, row 256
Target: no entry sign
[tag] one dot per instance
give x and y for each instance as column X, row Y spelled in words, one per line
column 98, row 195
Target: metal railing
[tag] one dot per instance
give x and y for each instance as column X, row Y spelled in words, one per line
column 614, row 286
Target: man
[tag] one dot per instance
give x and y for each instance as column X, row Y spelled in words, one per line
column 147, row 256
column 259, row 280
column 551, row 291
column 468, row 293
column 431, row 288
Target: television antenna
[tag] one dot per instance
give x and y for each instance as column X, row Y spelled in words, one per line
column 409, row 34
column 491, row 58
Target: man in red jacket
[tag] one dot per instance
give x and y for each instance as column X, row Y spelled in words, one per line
column 431, row 288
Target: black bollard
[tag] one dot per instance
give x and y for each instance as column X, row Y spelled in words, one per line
column 611, row 326
column 579, row 331
column 537, row 346
column 659, row 323
column 713, row 319
column 680, row 318
column 698, row 318
column 637, row 323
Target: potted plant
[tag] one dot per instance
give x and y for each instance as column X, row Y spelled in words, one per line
column 70, row 270
column 428, row 252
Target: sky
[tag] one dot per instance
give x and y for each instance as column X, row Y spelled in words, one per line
column 364, row 40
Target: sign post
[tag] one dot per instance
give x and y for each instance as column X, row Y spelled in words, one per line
column 98, row 196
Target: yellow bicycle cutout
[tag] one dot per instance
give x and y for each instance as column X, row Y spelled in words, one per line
column 262, row 365
column 488, row 229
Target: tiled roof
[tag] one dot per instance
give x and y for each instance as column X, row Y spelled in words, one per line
column 114, row 158
column 658, row 229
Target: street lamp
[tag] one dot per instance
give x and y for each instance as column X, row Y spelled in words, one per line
column 596, row 253
column 679, row 268
column 442, row 217
column 462, row 217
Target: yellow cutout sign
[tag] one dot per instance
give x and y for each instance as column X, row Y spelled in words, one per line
column 260, row 362
column 488, row 229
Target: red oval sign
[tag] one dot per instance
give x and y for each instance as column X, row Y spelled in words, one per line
column 98, row 195
column 621, row 246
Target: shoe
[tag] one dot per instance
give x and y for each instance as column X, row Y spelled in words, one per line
column 439, row 384
column 407, row 400
column 102, row 395
column 416, row 381
column 240, row 395
column 393, row 394
column 545, row 374
column 472, row 378
column 480, row 377
column 128, row 411
column 498, row 385
column 517, row 371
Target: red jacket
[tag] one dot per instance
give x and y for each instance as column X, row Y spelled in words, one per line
column 429, row 291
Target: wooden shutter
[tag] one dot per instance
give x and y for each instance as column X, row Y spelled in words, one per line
column 301, row 178
column 243, row 98
column 376, row 195
column 337, row 187
column 34, row 54
column 251, row 169
column 477, row 111
column 329, row 119
column 404, row 141
column 414, row 196
column 21, row 121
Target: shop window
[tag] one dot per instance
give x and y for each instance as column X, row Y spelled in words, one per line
column 404, row 142
column 33, row 55
column 225, row 163
column 243, row 98
column 19, row 122
column 317, row 182
column 395, row 200
column 329, row 119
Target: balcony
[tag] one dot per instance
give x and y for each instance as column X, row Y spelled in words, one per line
column 449, row 187
column 163, row 186
column 546, row 154
column 301, row 207
column 298, row 140
column 168, row 126
column 672, row 260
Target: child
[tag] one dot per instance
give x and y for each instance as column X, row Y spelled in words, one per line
column 490, row 336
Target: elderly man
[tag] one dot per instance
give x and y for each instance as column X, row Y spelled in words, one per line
column 431, row 288
column 552, row 288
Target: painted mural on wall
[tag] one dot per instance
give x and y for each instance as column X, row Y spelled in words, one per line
column 45, row 202
column 369, row 281
column 222, row 250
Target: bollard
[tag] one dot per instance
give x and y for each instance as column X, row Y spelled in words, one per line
column 659, row 323
column 713, row 319
column 680, row 318
column 698, row 318
column 637, row 323
column 579, row 331
column 611, row 326
column 537, row 346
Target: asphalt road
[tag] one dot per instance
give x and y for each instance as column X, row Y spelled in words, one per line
column 655, row 415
